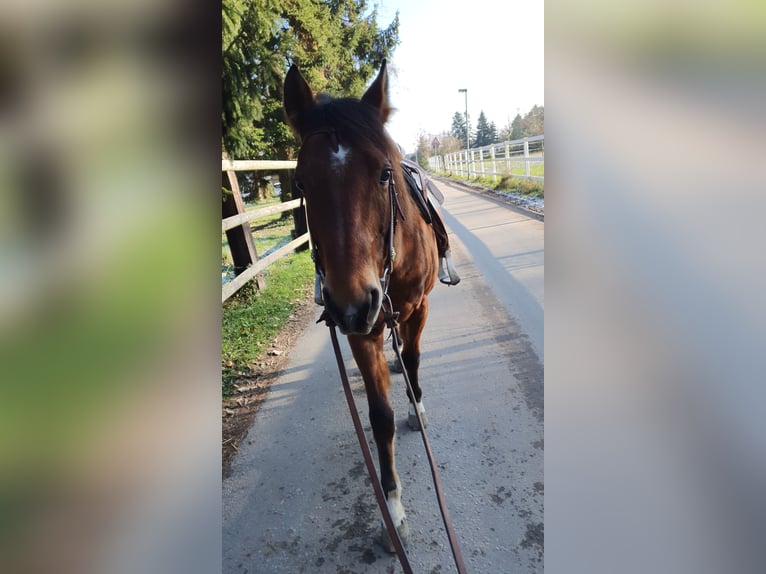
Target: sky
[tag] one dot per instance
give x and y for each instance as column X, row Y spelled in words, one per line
column 493, row 48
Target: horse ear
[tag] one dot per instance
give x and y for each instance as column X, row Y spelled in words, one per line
column 377, row 94
column 297, row 97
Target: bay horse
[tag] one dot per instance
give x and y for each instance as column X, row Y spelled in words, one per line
column 369, row 242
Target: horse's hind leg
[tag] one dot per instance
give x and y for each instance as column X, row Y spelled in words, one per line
column 411, row 332
column 368, row 353
column 394, row 366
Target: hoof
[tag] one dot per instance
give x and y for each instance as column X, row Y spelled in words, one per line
column 385, row 540
column 412, row 419
column 394, row 366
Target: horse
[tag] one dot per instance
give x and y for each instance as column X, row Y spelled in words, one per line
column 369, row 242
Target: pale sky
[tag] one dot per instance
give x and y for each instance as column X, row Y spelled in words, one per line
column 494, row 48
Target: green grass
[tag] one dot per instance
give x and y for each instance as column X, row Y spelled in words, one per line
column 267, row 231
column 517, row 167
column 251, row 319
column 506, row 183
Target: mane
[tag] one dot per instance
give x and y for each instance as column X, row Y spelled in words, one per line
column 354, row 121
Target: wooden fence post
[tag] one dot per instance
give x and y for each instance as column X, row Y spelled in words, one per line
column 240, row 238
column 289, row 192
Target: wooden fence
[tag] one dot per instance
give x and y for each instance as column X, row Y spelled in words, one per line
column 242, row 220
column 495, row 160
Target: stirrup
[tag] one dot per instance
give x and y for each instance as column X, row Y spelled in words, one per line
column 450, row 276
column 318, row 299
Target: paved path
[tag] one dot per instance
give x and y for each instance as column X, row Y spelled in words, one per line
column 298, row 498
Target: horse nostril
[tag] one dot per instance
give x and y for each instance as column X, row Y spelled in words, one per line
column 349, row 318
column 376, row 296
column 359, row 317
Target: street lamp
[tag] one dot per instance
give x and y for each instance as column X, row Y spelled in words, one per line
column 467, row 131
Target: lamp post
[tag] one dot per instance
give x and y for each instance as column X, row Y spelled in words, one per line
column 467, row 132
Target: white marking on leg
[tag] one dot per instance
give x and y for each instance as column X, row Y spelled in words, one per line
column 412, row 419
column 395, row 506
column 398, row 517
column 339, row 158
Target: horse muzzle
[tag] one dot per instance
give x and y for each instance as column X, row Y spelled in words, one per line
column 356, row 318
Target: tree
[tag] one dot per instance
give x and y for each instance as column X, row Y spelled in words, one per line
column 449, row 144
column 518, row 129
column 493, row 133
column 505, row 133
column 458, row 128
column 244, row 25
column 534, row 121
column 424, row 149
column 337, row 44
column 483, row 131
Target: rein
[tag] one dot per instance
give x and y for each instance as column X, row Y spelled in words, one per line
column 391, row 321
column 390, row 317
column 380, row 497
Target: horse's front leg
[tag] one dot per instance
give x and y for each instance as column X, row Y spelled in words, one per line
column 368, row 353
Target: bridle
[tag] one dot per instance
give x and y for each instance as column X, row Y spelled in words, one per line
column 395, row 209
column 391, row 318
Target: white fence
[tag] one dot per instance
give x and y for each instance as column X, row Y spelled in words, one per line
column 516, row 158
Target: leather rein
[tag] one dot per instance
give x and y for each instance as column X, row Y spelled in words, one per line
column 391, row 319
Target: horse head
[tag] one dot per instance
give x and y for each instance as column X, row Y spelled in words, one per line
column 344, row 167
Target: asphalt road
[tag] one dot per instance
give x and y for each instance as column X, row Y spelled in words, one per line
column 298, row 498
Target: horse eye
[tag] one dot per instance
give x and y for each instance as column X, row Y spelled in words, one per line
column 385, row 176
column 298, row 185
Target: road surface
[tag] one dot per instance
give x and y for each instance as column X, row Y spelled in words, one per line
column 298, row 498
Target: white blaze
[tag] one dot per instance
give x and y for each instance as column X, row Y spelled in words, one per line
column 338, row 158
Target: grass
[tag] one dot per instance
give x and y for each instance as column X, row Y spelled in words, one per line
column 506, row 182
column 251, row 319
column 517, row 168
column 268, row 232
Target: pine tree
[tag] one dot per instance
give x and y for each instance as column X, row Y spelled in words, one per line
column 337, row 44
column 458, row 128
column 483, row 135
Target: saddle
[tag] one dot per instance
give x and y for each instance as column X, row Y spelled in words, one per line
column 423, row 191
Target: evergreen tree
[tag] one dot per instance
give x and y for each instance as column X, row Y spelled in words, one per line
column 458, row 128
column 244, row 26
column 483, row 134
column 337, row 44
column 493, row 133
